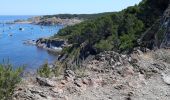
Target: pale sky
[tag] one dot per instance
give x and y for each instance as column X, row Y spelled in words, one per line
column 46, row 7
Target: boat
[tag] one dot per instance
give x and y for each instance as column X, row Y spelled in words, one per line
column 21, row 29
column 10, row 34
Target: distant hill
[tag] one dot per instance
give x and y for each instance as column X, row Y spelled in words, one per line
column 79, row 16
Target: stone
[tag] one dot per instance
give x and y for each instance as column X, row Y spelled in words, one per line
column 63, row 82
column 66, row 98
column 78, row 82
column 166, row 78
column 118, row 64
column 139, row 52
column 128, row 71
column 159, row 66
column 123, row 56
column 120, row 87
column 130, row 59
column 57, row 90
column 45, row 82
column 69, row 73
column 94, row 82
column 85, row 81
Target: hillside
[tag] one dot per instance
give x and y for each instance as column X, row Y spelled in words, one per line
column 138, row 25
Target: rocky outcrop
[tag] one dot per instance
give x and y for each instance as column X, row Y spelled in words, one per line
column 52, row 44
column 29, row 42
column 58, row 21
column 45, row 82
column 158, row 35
column 45, row 21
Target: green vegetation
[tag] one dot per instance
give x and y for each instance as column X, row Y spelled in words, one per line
column 46, row 71
column 9, row 78
column 79, row 16
column 118, row 31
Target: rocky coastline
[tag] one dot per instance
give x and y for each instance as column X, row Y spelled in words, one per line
column 39, row 20
column 54, row 45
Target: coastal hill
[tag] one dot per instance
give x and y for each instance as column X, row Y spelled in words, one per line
column 137, row 26
column 61, row 19
column 118, row 56
column 79, row 16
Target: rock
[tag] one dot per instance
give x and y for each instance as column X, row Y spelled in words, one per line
column 128, row 71
column 123, row 56
column 95, row 82
column 69, row 75
column 63, row 82
column 52, row 44
column 128, row 98
column 30, row 94
column 78, row 82
column 85, row 81
column 45, row 82
column 120, row 87
column 66, row 98
column 57, row 90
column 118, row 64
column 140, row 52
column 159, row 66
column 166, row 78
column 72, row 89
column 130, row 59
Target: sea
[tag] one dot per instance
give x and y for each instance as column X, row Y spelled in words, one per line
column 12, row 47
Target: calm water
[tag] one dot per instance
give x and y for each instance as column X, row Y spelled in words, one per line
column 12, row 47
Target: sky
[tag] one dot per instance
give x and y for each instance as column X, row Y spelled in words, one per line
column 49, row 7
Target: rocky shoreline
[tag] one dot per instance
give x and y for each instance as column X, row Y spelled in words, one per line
column 53, row 45
column 39, row 20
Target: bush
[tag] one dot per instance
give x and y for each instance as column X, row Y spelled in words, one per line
column 58, row 69
column 44, row 70
column 104, row 45
column 9, row 78
column 127, row 42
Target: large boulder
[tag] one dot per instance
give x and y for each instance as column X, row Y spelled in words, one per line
column 45, row 82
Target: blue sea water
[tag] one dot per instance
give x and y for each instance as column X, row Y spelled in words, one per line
column 13, row 49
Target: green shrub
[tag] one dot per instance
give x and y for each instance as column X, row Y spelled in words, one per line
column 58, row 69
column 127, row 42
column 9, row 78
column 44, row 70
column 103, row 45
